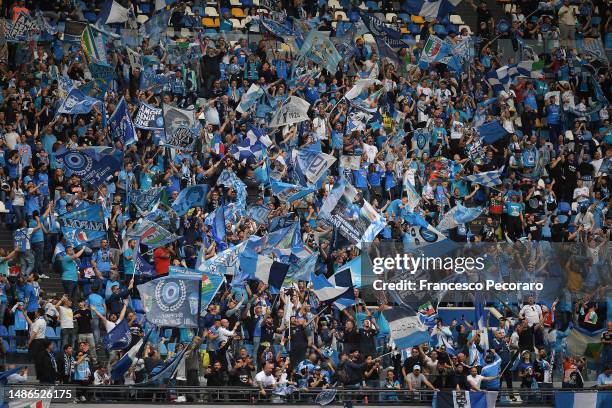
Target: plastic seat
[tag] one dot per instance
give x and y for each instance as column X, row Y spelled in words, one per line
column 141, row 19
column 50, row 333
column 414, row 29
column 564, row 207
column 440, row 30
column 90, row 16
column 145, row 8
column 210, row 12
column 417, row 19
column 372, row 5
column 456, row 19
column 210, row 22
column 237, row 12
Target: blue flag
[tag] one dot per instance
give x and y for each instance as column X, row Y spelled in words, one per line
column 492, row 131
column 119, row 338
column 90, row 166
column 122, row 366
column 259, row 213
column 121, row 125
column 192, row 196
column 77, row 103
column 218, row 227
column 145, row 200
column 142, row 267
column 286, row 192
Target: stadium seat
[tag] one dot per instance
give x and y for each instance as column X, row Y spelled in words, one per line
column 237, row 12
column 389, row 17
column 50, row 333
column 414, row 29
column 456, row 19
column 236, row 24
column 363, row 6
column 404, row 30
column 372, row 5
column 210, row 12
column 440, row 30
column 417, row 19
column 408, row 38
column 341, row 16
column 452, row 28
column 210, row 22
column 4, row 333
column 405, row 17
column 235, row 2
column 444, row 20
column 563, row 207
column 141, row 19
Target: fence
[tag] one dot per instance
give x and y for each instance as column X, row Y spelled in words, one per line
column 240, row 395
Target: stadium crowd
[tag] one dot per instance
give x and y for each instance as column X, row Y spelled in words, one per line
column 554, row 162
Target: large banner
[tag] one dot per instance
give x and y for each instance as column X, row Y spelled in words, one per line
column 171, row 301
column 180, row 126
column 23, row 29
column 211, row 282
column 149, row 117
column 92, row 167
column 293, row 110
column 84, row 225
column 354, row 217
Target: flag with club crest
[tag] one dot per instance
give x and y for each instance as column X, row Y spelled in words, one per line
column 487, row 178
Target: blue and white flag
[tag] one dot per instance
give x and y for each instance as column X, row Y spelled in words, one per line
column 77, row 103
column 142, row 267
column 112, row 12
column 280, row 31
column 430, row 10
column 161, row 374
column 501, row 78
column 149, row 117
column 247, row 149
column 491, row 132
column 24, row 28
column 388, row 40
column 250, row 98
column 259, row 214
column 281, row 221
column 458, row 215
column 90, row 166
column 267, row 270
column 224, row 263
column 487, row 178
column 289, row 193
column 229, row 179
column 406, row 330
column 171, row 301
column 302, row 270
column 145, row 200
column 318, row 48
column 121, row 125
column 82, row 226
column 119, row 337
column 480, row 320
column 326, row 290
column 192, row 196
column 313, row 164
column 464, row 399
column 583, row 398
column 130, row 358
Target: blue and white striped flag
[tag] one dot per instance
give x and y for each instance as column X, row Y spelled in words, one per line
column 501, row 78
column 487, row 179
column 326, row 290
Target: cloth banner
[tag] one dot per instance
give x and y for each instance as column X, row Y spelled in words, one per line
column 211, row 282
column 91, row 166
column 180, row 127
column 171, row 301
column 293, row 110
column 149, row 117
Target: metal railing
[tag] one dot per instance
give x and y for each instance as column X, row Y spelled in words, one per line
column 241, row 395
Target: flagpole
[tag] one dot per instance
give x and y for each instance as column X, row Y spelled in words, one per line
column 317, row 315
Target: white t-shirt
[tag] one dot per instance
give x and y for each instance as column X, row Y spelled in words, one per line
column 532, row 313
column 267, row 380
column 39, row 326
column 371, row 151
column 475, row 381
column 66, row 317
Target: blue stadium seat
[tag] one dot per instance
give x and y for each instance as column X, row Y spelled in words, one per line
column 440, row 30
column 408, row 38
column 564, row 207
column 414, row 28
column 404, row 16
column 452, row 28
column 444, row 20
column 50, row 333
column 4, row 333
column 373, row 5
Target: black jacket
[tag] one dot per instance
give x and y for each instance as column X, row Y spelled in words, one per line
column 47, row 373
